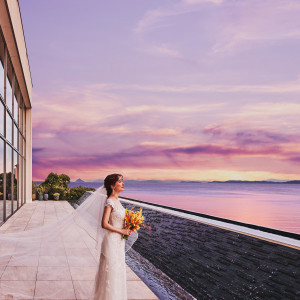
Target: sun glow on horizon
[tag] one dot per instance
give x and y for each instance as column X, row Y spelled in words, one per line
column 171, row 174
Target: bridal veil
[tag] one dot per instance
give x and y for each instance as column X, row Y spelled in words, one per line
column 83, row 225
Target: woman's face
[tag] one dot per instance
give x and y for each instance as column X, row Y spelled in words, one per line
column 119, row 185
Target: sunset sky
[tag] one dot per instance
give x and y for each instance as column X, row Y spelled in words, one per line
column 185, row 90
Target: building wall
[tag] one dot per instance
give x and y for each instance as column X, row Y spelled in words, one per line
column 11, row 25
column 214, row 263
column 15, row 112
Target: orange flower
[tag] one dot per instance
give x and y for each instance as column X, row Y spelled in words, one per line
column 134, row 220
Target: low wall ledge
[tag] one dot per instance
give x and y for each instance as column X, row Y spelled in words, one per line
column 269, row 234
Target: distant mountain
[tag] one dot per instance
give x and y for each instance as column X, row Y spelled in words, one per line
column 152, row 181
column 270, row 181
column 191, row 181
column 79, row 180
column 133, row 180
column 293, row 181
column 95, row 180
column 277, row 180
column 258, row 181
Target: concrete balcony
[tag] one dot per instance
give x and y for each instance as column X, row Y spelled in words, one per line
column 68, row 270
column 185, row 256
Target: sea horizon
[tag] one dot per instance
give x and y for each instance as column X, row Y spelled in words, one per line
column 268, row 204
column 195, row 181
column 264, row 203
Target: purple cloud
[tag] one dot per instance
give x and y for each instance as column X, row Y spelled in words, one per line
column 250, row 137
column 36, row 150
column 295, row 159
column 221, row 150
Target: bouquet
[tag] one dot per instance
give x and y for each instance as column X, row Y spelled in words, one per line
column 134, row 220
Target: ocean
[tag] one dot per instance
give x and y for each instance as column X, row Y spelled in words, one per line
column 273, row 205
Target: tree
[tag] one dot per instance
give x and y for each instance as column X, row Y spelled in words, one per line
column 51, row 180
column 64, row 180
column 57, row 184
column 76, row 192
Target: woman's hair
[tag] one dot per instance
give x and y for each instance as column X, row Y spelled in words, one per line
column 109, row 181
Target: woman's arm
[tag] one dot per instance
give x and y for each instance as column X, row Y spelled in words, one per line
column 106, row 225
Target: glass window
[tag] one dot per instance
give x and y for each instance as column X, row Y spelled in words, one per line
column 20, row 193
column 23, row 174
column 15, row 181
column 20, row 115
column 24, row 180
column 15, row 109
column 8, row 127
column 16, row 102
column 1, row 179
column 20, row 143
column 1, row 67
column 9, row 84
column 12, row 121
column 16, row 133
column 1, row 118
column 8, row 95
column 1, row 79
column 8, row 180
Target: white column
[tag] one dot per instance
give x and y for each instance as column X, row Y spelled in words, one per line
column 28, row 177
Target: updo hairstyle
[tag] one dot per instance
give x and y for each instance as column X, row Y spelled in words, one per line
column 109, row 181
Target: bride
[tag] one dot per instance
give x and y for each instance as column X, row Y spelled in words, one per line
column 110, row 282
column 99, row 221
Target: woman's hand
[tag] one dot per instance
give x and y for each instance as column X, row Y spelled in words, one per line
column 126, row 231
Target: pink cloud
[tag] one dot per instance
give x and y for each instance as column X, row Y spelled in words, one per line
column 201, row 157
column 222, row 96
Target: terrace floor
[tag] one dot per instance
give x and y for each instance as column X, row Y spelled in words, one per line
column 70, row 273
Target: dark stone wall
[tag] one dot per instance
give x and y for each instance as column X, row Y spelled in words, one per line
column 214, row 263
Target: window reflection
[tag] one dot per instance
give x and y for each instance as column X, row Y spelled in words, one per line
column 12, row 124
column 16, row 109
column 23, row 180
column 1, row 179
column 8, row 180
column 8, row 127
column 1, row 67
column 21, row 115
column 16, row 136
column 8, row 94
column 1, row 118
column 19, row 180
column 1, row 79
column 15, row 181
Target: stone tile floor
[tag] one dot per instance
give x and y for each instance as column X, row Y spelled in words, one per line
column 66, row 270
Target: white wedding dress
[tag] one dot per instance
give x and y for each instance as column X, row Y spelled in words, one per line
column 84, row 223
column 110, row 282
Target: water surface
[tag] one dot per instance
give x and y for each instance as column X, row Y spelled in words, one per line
column 271, row 205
